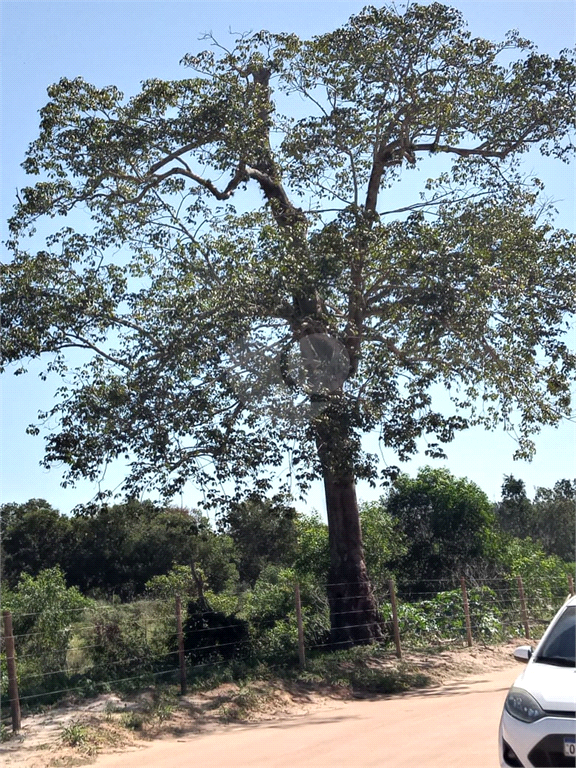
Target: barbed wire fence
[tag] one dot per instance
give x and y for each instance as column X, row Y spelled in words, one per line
column 141, row 643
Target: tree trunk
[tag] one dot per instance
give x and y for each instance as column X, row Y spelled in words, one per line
column 354, row 617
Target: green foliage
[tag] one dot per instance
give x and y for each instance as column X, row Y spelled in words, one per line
column 114, row 550
column 549, row 520
column 134, row 721
column 178, row 581
column 34, row 537
column 447, row 524
column 441, row 617
column 312, row 555
column 514, row 512
column 554, row 519
column 263, row 531
column 44, row 615
column 128, row 641
column 118, row 548
column 384, row 543
column 271, row 599
column 270, row 612
column 75, row 735
column 212, row 636
column 545, row 577
column 217, row 559
column 44, row 607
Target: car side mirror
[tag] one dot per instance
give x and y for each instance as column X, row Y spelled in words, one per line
column 523, row 653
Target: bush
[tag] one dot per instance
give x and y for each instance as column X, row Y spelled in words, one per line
column 178, row 581
column 213, row 636
column 45, row 613
column 131, row 640
column 270, row 612
column 442, row 617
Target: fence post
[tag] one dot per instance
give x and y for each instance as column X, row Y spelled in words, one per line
column 571, row 583
column 395, row 618
column 181, row 657
column 523, row 607
column 301, row 654
column 12, row 675
column 466, row 611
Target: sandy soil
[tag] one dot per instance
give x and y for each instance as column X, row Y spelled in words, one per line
column 108, row 729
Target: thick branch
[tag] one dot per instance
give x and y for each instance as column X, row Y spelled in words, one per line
column 172, row 156
column 284, row 212
column 155, row 180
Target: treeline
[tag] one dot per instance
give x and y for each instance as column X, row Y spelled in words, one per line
column 431, row 527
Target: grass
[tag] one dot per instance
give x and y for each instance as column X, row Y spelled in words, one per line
column 241, row 705
column 76, row 735
column 362, row 670
column 87, row 738
column 159, row 709
column 134, row 721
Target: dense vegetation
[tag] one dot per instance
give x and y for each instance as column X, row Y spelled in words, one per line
column 431, row 527
column 92, row 593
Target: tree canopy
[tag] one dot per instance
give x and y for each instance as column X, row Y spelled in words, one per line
column 224, row 330
column 264, row 531
column 549, row 519
column 112, row 549
column 448, row 525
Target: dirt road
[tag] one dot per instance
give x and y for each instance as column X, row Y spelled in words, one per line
column 452, row 726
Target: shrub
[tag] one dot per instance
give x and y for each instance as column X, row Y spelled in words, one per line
column 442, row 617
column 178, row 581
column 211, row 636
column 269, row 610
column 129, row 640
column 45, row 613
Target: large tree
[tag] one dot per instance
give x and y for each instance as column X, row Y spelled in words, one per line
column 251, row 273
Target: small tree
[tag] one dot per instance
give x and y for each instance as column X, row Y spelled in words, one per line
column 448, row 526
column 35, row 537
column 223, row 339
column 384, row 543
column 264, row 532
column 555, row 519
column 313, row 551
column 44, row 613
column 515, row 512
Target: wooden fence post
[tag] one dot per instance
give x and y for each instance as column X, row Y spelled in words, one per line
column 466, row 611
column 571, row 583
column 523, row 607
column 301, row 653
column 181, row 657
column 11, row 668
column 395, row 618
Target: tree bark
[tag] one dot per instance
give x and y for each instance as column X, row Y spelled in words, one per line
column 354, row 617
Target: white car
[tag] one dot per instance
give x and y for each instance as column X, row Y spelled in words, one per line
column 538, row 724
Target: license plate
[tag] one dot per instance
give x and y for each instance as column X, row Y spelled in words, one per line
column 569, row 746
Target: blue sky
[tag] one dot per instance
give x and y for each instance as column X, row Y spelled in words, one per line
column 123, row 42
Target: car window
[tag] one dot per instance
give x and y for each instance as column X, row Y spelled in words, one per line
column 560, row 645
